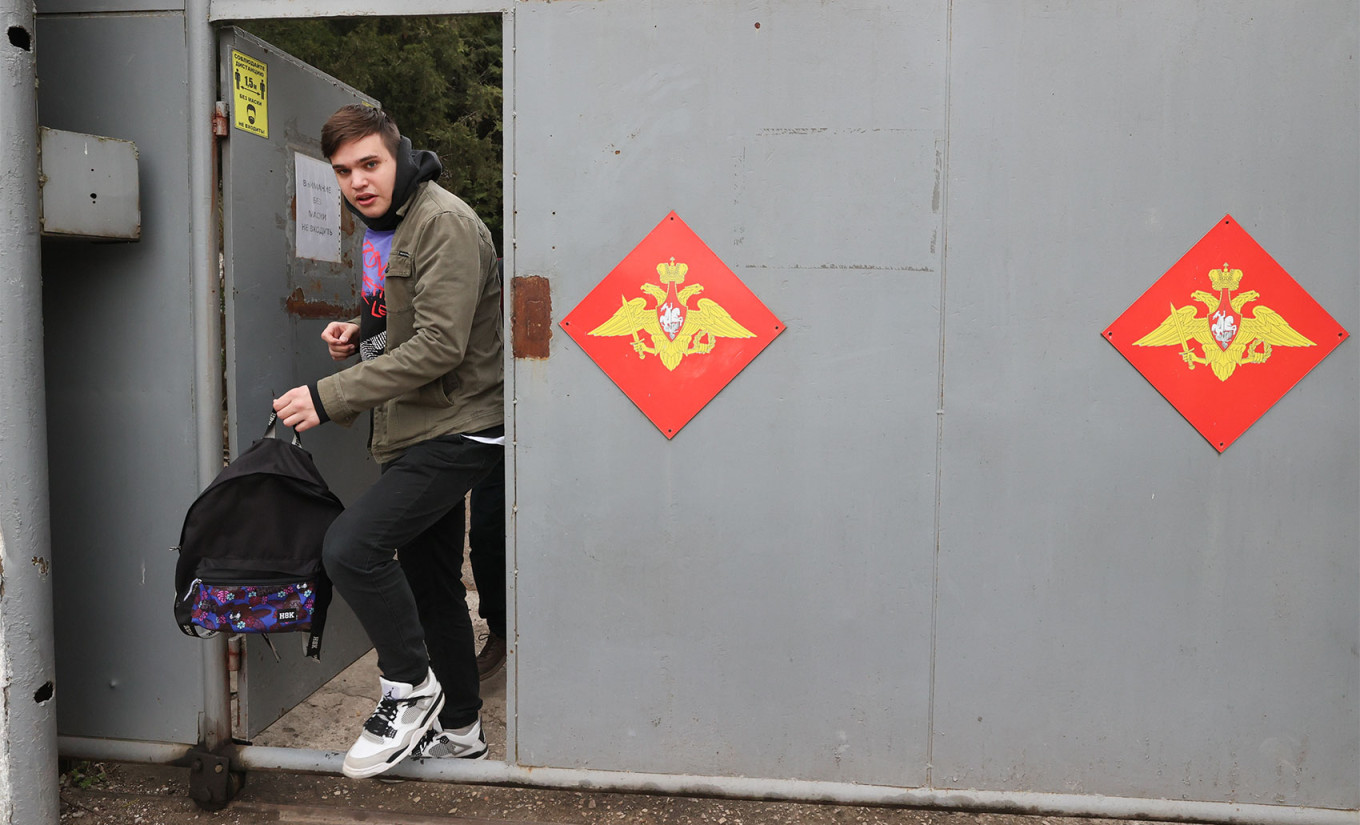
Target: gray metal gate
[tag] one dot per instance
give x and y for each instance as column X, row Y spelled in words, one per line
column 118, row 338
column 123, row 461
column 276, row 305
column 937, row 543
column 940, row 534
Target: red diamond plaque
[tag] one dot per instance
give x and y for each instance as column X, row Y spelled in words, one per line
column 671, row 325
column 1225, row 333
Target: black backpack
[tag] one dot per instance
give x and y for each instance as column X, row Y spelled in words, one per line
column 250, row 548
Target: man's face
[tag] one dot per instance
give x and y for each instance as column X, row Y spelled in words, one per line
column 367, row 174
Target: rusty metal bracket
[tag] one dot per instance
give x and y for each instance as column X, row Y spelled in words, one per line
column 219, row 119
column 531, row 316
column 212, row 782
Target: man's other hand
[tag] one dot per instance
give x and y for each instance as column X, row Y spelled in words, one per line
column 339, row 337
column 295, row 409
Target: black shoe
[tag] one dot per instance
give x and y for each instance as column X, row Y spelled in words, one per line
column 492, row 658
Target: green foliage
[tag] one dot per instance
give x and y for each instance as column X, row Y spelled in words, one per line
column 83, row 775
column 438, row 77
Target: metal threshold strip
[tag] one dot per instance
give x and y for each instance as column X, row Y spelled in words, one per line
column 251, row 757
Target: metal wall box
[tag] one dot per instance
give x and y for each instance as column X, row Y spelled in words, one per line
column 89, row 187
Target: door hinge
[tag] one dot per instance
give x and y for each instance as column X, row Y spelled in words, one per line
column 220, row 118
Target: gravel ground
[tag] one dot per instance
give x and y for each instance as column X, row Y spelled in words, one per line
column 120, row 794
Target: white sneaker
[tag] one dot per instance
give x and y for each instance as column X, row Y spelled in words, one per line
column 402, row 717
column 465, row 743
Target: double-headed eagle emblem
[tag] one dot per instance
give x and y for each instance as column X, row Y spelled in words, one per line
column 1226, row 338
column 674, row 328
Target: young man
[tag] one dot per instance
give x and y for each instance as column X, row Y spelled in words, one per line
column 430, row 369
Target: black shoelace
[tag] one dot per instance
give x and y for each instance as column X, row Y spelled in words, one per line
column 425, row 742
column 380, row 723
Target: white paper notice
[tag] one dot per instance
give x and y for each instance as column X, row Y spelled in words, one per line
column 318, row 209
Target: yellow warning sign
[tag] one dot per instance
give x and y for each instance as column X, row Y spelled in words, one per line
column 250, row 93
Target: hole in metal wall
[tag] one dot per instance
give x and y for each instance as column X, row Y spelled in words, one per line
column 43, row 693
column 19, row 37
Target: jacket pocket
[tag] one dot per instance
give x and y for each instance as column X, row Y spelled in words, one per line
column 397, row 289
column 398, row 279
column 434, row 394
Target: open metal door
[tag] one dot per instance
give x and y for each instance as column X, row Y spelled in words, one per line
column 290, row 258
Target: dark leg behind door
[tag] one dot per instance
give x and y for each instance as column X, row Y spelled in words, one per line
column 486, row 538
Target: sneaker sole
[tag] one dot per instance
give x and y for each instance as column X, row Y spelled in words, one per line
column 423, row 759
column 374, row 770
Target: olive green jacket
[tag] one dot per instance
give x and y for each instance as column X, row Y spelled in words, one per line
column 443, row 369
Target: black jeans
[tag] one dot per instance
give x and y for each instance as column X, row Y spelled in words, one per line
column 412, row 603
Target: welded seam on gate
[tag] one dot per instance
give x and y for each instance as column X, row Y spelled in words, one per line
column 939, row 398
column 509, row 240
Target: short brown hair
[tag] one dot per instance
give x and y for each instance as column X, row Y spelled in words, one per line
column 357, row 121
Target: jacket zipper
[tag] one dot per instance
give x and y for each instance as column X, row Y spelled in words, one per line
column 230, row 583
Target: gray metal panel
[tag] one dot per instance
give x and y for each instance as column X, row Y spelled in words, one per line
column 277, row 305
column 508, row 133
column 89, row 186
column 254, row 9
column 753, row 597
column 1121, row 609
column 122, row 443
column 107, row 6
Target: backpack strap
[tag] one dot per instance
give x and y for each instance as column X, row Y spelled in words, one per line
column 269, row 430
column 319, row 609
column 184, row 607
column 270, row 645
